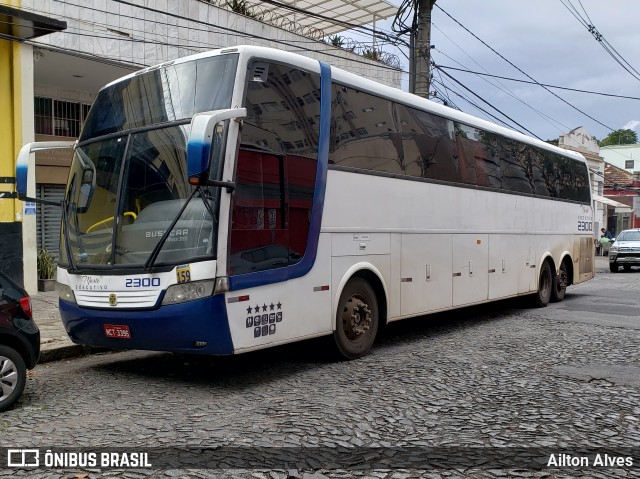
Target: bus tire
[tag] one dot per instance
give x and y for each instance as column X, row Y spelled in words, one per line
column 560, row 282
column 357, row 319
column 545, row 286
column 13, row 376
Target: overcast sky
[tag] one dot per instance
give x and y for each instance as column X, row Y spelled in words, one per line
column 547, row 42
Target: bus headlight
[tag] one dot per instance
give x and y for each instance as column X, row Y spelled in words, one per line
column 181, row 293
column 65, row 292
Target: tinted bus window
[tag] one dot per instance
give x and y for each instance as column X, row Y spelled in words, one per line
column 365, row 132
column 276, row 170
column 428, row 145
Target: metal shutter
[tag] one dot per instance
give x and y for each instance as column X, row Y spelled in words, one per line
column 48, row 218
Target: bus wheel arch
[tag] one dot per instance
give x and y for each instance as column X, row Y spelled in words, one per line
column 360, row 313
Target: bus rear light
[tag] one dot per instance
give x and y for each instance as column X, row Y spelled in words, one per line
column 182, row 293
column 25, row 304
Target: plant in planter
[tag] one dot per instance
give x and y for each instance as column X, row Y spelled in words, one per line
column 336, row 40
column 46, row 271
column 372, row 54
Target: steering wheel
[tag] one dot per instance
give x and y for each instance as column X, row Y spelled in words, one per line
column 111, row 218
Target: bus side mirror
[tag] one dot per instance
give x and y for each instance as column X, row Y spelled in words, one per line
column 206, row 143
column 24, row 163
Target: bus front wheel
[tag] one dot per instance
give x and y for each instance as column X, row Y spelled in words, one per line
column 357, row 319
column 545, row 286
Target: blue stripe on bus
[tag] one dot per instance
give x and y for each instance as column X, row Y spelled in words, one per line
column 303, row 266
column 174, row 327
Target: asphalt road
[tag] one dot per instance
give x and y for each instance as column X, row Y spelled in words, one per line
column 459, row 387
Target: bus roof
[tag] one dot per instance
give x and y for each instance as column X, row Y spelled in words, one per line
column 342, row 76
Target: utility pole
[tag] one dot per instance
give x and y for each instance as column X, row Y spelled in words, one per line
column 420, row 55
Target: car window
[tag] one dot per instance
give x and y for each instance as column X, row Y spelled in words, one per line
column 10, row 291
column 629, row 236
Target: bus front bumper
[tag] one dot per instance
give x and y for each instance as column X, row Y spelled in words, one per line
column 195, row 327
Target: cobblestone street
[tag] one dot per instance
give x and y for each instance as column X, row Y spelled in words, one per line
column 493, row 376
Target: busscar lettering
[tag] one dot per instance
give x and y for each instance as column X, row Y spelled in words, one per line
column 158, row 234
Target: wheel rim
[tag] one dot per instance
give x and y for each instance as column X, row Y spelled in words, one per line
column 8, row 377
column 562, row 280
column 356, row 318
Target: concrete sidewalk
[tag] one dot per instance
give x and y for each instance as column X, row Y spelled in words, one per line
column 54, row 342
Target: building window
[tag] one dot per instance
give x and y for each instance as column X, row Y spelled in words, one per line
column 66, row 118
column 628, row 164
column 42, row 109
column 58, row 117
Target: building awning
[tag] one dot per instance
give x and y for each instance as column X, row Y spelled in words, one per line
column 19, row 25
column 328, row 16
column 620, row 207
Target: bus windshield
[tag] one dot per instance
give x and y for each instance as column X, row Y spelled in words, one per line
column 128, row 179
column 139, row 189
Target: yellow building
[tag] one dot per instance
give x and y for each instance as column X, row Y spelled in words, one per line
column 17, row 219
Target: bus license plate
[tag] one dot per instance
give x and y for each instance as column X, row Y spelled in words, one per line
column 119, row 331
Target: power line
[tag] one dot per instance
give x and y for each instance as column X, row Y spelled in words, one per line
column 541, row 84
column 503, row 88
column 478, row 107
column 522, row 71
column 588, row 24
column 495, row 108
column 392, row 39
column 294, row 45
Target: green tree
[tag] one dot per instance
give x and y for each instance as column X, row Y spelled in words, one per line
column 620, row 137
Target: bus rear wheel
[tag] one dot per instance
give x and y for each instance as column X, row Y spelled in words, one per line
column 545, row 286
column 560, row 284
column 357, row 319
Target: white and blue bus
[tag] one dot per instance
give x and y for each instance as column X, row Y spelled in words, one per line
column 248, row 197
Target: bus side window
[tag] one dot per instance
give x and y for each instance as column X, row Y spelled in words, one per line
column 275, row 171
column 428, row 145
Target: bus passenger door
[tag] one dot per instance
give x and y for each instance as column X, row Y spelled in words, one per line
column 425, row 273
column 470, row 268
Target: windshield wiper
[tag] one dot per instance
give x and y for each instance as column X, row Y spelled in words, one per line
column 156, row 250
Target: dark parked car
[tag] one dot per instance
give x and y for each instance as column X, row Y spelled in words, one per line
column 19, row 341
column 625, row 251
